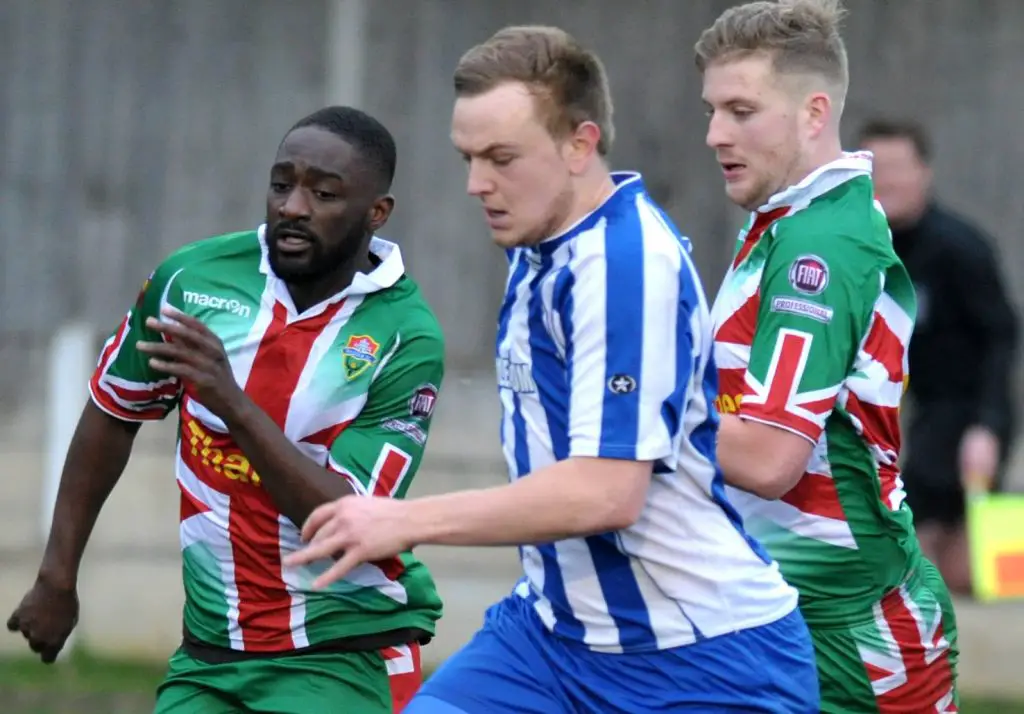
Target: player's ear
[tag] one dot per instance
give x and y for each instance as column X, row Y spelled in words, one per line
column 380, row 211
column 818, row 110
column 582, row 146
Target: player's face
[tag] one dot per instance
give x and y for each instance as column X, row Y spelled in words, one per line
column 321, row 211
column 516, row 168
column 902, row 180
column 754, row 128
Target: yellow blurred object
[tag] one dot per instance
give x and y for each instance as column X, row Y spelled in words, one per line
column 995, row 527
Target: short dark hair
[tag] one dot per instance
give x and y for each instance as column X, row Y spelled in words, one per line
column 912, row 131
column 371, row 138
column 567, row 80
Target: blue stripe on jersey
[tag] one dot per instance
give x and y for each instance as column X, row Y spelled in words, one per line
column 553, row 392
column 624, row 315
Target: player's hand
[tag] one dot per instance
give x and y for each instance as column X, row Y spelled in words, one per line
column 46, row 616
column 359, row 529
column 979, row 458
column 194, row 354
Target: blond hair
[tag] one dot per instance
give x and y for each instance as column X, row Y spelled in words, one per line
column 800, row 36
column 567, row 80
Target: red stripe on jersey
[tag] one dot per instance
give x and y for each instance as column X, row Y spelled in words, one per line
column 190, row 505
column 881, row 428
column 761, row 224
column 389, row 472
column 107, row 403
column 392, row 471
column 927, row 683
column 780, row 403
column 887, row 476
column 885, row 348
column 404, row 684
column 739, row 328
column 161, row 390
column 264, row 605
column 108, row 353
column 816, row 495
column 326, row 437
column 731, row 381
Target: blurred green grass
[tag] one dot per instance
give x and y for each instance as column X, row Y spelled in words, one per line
column 86, row 684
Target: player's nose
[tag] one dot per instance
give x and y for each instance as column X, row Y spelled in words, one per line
column 718, row 134
column 296, row 205
column 479, row 181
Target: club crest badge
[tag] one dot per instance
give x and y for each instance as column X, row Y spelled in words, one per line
column 360, row 353
column 809, row 275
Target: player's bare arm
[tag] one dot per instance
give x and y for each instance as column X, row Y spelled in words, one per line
column 96, row 459
column 761, row 458
column 577, row 497
column 191, row 352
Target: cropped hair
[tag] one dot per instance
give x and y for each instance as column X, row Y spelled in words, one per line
column 567, row 80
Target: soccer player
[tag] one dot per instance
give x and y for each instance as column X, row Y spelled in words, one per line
column 642, row 592
column 304, row 365
column 811, row 328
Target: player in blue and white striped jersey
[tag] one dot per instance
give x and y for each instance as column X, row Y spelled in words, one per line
column 641, row 590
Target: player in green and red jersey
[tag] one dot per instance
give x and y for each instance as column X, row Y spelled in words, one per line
column 304, row 365
column 812, row 327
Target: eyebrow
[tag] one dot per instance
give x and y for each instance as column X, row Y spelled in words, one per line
column 315, row 171
column 490, row 149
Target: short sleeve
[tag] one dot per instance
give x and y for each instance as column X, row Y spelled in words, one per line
column 816, row 297
column 380, row 451
column 626, row 317
column 123, row 383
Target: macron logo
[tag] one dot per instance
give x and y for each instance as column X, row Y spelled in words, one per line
column 217, row 303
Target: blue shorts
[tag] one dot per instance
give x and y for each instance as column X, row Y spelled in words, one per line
column 514, row 665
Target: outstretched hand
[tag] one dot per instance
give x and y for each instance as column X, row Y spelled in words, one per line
column 359, row 529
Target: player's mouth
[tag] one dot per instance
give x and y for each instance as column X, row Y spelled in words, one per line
column 496, row 218
column 292, row 242
column 732, row 170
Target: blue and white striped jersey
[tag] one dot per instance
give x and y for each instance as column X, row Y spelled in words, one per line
column 604, row 350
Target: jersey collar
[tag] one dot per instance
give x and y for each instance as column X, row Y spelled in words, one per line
column 385, row 275
column 627, row 184
column 849, row 166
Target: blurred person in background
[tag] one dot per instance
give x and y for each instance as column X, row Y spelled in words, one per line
column 963, row 351
column 304, row 364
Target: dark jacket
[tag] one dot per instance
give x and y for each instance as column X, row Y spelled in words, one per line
column 963, row 351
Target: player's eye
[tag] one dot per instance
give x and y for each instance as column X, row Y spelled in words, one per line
column 502, row 160
column 279, row 186
column 325, row 195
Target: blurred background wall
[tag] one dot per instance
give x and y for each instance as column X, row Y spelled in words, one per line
column 131, row 128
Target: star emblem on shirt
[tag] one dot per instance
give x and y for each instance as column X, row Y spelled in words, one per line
column 621, row 384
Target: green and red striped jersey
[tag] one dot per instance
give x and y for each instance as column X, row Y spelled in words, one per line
column 812, row 326
column 352, row 382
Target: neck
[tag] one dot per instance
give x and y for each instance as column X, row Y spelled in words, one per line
column 824, row 153
column 306, row 294
column 591, row 190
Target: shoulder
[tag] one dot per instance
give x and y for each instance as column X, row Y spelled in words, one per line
column 415, row 321
column 635, row 244
column 843, row 230
column 241, row 244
